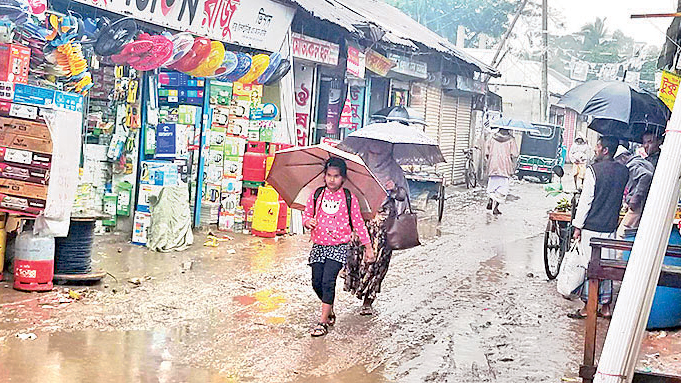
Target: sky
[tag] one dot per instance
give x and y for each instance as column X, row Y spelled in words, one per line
column 576, row 13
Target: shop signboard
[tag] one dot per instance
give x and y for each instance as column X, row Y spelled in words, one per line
column 356, row 62
column 669, row 88
column 408, row 66
column 468, row 84
column 351, row 118
column 378, row 63
column 315, row 50
column 261, row 24
column 303, row 76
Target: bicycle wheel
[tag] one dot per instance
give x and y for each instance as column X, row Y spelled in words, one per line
column 554, row 250
column 441, row 203
column 469, row 176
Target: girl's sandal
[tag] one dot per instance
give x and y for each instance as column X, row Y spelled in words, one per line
column 366, row 311
column 320, row 329
column 332, row 319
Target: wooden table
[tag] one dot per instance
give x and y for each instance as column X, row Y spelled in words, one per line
column 611, row 269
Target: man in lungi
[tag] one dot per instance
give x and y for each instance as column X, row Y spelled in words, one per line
column 597, row 214
column 501, row 154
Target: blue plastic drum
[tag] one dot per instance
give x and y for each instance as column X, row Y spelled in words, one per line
column 666, row 310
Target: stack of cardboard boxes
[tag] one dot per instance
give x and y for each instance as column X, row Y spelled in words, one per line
column 25, row 158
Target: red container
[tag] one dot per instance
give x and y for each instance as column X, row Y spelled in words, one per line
column 255, row 160
column 33, row 262
column 248, row 199
column 283, row 215
column 263, row 234
column 275, row 147
column 33, row 275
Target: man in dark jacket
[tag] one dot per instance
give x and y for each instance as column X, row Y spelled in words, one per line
column 598, row 212
column 636, row 192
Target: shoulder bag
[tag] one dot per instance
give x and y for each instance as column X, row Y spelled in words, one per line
column 402, row 232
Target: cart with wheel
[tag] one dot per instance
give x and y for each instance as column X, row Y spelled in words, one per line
column 557, row 238
column 430, row 185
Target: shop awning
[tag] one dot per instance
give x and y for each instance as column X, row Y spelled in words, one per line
column 400, row 29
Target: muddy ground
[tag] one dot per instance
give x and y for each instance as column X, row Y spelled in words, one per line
column 470, row 305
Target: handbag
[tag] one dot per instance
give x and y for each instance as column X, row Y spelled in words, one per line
column 402, row 232
column 572, row 272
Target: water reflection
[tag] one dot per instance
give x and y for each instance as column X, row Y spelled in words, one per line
column 94, row 356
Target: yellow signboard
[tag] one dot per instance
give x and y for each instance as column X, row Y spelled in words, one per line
column 378, row 63
column 669, row 88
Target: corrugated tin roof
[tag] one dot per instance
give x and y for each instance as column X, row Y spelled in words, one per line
column 400, row 28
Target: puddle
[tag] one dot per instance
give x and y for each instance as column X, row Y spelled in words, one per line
column 357, row 374
column 94, row 356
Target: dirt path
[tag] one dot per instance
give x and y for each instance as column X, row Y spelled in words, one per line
column 471, row 305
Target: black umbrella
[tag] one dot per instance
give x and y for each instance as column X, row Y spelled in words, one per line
column 399, row 114
column 618, row 109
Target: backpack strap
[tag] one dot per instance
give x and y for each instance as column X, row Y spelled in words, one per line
column 317, row 193
column 348, row 202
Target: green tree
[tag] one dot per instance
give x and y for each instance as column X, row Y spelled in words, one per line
column 593, row 44
column 489, row 17
column 593, row 33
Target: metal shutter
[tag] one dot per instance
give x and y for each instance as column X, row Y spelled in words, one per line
column 448, row 131
column 463, row 137
column 433, row 103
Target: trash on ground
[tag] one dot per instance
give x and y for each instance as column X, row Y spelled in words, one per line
column 27, row 336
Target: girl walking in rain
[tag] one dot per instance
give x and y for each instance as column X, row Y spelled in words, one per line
column 332, row 223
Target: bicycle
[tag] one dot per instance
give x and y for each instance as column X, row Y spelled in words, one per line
column 469, row 173
column 558, row 237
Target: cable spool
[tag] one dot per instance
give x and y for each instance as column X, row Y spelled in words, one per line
column 73, row 253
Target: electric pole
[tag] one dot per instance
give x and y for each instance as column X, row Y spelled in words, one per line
column 544, row 93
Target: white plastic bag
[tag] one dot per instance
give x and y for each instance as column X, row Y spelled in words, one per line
column 572, row 271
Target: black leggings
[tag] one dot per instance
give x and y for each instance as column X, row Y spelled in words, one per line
column 324, row 276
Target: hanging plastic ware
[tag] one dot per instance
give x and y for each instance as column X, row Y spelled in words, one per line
column 281, row 71
column 114, row 37
column 242, row 67
column 147, row 53
column 258, row 67
column 182, row 44
column 275, row 60
column 63, row 29
column 198, row 54
column 215, row 58
column 229, row 63
column 132, row 52
column 161, row 51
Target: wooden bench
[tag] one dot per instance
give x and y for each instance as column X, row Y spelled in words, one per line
column 604, row 269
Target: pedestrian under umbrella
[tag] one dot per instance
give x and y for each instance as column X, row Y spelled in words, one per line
column 332, row 221
column 363, row 279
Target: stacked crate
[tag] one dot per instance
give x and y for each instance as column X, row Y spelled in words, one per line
column 25, row 159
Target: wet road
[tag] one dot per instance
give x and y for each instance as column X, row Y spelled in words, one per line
column 470, row 305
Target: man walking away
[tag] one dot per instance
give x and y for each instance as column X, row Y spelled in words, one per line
column 636, row 192
column 598, row 212
column 651, row 144
column 580, row 155
column 501, row 154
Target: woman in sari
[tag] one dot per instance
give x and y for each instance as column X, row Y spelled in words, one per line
column 364, row 279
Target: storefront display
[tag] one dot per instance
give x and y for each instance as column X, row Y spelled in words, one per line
column 162, row 108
